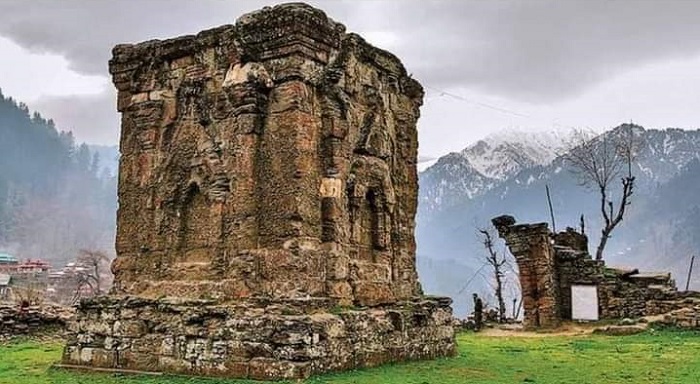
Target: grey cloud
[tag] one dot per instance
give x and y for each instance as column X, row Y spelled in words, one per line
column 92, row 118
column 85, row 31
column 542, row 51
column 534, row 51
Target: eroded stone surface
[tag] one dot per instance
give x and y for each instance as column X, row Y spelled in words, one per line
column 269, row 169
column 16, row 320
column 287, row 339
column 275, row 157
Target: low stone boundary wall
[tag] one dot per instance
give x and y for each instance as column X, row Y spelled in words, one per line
column 256, row 340
column 16, row 320
column 688, row 317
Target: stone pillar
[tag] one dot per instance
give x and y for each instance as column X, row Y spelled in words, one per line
column 294, row 45
column 531, row 245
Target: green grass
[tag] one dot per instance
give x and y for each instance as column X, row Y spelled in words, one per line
column 654, row 357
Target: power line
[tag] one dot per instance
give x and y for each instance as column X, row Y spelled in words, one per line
column 455, row 96
column 484, row 105
column 471, row 279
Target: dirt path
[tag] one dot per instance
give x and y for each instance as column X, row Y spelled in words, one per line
column 499, row 332
column 568, row 329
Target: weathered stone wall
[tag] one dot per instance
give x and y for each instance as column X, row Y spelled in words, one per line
column 17, row 321
column 268, row 179
column 530, row 245
column 549, row 264
column 273, row 157
column 621, row 293
column 686, row 314
column 259, row 340
column 680, row 300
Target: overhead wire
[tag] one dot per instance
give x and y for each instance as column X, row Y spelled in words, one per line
column 477, row 273
column 442, row 92
column 478, row 103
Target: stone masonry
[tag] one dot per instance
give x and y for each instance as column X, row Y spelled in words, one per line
column 549, row 264
column 267, row 200
column 16, row 320
column 535, row 257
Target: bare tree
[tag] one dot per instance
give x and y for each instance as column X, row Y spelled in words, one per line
column 597, row 161
column 92, row 263
column 29, row 293
column 497, row 264
column 514, row 289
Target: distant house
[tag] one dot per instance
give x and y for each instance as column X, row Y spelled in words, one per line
column 8, row 263
column 33, row 266
column 25, row 276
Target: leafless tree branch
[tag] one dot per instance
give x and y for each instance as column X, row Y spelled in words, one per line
column 597, row 161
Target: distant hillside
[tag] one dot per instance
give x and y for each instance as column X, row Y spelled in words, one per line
column 458, row 194
column 55, row 197
column 108, row 156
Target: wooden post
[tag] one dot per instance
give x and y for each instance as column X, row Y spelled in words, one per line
column 690, row 272
column 551, row 211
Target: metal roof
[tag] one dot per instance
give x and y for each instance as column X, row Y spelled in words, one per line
column 7, row 258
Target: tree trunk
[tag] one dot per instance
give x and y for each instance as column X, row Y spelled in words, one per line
column 499, row 296
column 605, row 235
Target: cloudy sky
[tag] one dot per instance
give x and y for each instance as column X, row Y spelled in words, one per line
column 486, row 65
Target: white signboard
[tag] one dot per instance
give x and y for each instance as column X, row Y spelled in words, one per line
column 584, row 302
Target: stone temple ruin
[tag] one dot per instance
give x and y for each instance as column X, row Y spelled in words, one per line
column 554, row 267
column 267, row 196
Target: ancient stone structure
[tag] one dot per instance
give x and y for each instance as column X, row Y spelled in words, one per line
column 530, row 245
column 16, row 320
column 686, row 316
column 550, row 264
column 268, row 182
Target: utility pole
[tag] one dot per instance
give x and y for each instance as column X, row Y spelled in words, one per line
column 690, row 272
column 551, row 211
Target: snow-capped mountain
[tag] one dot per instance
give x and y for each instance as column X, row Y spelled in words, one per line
column 484, row 165
column 502, row 155
column 507, row 174
column 666, row 152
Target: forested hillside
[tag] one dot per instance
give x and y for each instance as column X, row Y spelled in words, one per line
column 55, row 195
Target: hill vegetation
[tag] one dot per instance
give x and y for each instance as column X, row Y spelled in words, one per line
column 55, row 196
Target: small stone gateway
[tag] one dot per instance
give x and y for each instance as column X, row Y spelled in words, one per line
column 267, row 198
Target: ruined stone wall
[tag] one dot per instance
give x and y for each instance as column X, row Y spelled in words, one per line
column 621, row 293
column 530, row 245
column 685, row 312
column 274, row 157
column 576, row 269
column 258, row 340
column 549, row 264
column 22, row 321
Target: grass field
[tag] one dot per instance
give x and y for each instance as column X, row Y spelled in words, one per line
column 653, row 357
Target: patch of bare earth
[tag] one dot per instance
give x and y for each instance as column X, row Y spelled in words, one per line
column 569, row 329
